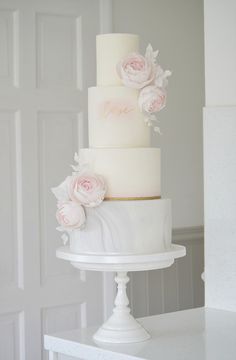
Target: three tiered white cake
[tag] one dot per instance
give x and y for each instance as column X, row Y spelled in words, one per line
column 132, row 219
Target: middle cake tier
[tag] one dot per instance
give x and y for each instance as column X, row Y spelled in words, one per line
column 115, row 119
column 129, row 173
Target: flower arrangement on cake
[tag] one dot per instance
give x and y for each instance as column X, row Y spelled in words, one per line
column 145, row 74
column 80, row 190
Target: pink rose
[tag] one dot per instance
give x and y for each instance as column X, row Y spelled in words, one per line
column 70, row 215
column 88, row 189
column 152, row 99
column 137, row 71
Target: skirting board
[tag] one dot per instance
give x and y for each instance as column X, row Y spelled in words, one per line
column 188, row 233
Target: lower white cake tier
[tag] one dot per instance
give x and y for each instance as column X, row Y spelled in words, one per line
column 115, row 119
column 128, row 173
column 125, row 227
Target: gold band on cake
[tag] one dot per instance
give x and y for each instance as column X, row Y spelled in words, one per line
column 131, row 198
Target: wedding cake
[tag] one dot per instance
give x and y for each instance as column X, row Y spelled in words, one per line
column 111, row 204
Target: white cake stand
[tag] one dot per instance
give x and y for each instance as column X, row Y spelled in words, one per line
column 121, row 327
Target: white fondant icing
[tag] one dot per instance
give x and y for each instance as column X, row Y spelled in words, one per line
column 132, row 172
column 119, row 139
column 115, row 119
column 111, row 48
column 125, row 227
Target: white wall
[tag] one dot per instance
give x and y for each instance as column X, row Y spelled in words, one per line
column 220, row 52
column 220, row 206
column 176, row 29
column 220, row 153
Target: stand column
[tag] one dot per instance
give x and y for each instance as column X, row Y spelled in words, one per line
column 121, row 327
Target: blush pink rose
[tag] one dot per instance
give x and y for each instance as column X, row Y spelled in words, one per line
column 136, row 71
column 70, row 215
column 152, row 99
column 87, row 189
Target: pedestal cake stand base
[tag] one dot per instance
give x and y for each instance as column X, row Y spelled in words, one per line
column 122, row 327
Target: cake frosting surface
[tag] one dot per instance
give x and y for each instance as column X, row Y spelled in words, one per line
column 119, row 139
column 125, row 227
column 110, row 49
column 129, row 172
column 115, row 119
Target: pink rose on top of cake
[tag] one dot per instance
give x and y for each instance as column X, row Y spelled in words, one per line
column 70, row 215
column 146, row 75
column 136, row 70
column 87, row 188
column 152, row 99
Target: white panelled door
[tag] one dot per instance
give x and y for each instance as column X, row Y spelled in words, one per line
column 47, row 61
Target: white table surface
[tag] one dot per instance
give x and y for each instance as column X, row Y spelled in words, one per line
column 196, row 334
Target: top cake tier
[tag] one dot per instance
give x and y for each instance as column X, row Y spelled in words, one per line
column 111, row 48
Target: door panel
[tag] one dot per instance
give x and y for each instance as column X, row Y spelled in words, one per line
column 47, row 62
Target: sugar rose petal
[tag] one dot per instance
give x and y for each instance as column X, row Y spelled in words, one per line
column 87, row 189
column 152, row 99
column 70, row 215
column 61, row 192
column 161, row 78
column 136, row 71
